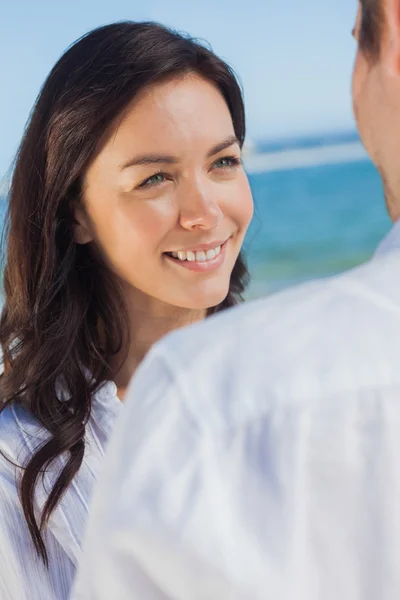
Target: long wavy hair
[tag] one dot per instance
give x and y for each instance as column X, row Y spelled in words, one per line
column 63, row 315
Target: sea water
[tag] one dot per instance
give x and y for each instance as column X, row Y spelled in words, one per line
column 313, row 222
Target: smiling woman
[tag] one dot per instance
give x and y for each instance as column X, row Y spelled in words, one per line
column 168, row 179
column 127, row 212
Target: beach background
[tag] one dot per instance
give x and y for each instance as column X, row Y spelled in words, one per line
column 319, row 210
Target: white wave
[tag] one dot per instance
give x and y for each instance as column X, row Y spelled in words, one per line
column 305, row 157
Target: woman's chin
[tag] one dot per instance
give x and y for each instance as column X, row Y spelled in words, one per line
column 204, row 301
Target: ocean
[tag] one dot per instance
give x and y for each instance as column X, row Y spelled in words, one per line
column 318, row 212
column 312, row 222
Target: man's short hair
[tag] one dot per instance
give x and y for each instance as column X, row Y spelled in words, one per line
column 371, row 25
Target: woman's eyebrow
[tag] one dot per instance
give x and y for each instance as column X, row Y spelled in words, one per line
column 150, row 159
column 230, row 141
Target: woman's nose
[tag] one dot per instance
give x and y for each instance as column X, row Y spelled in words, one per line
column 200, row 210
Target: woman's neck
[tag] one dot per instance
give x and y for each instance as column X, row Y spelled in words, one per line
column 150, row 320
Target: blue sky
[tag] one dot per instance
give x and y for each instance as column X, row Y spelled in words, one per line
column 294, row 57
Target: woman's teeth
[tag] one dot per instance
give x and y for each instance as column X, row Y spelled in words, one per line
column 199, row 256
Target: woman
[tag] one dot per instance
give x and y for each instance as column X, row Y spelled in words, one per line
column 128, row 209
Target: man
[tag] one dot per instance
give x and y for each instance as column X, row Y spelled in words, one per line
column 259, row 452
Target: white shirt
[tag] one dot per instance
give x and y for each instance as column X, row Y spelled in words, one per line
column 22, row 575
column 258, row 456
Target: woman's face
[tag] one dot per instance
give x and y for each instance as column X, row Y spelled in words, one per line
column 166, row 200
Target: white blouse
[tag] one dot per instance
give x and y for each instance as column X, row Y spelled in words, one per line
column 23, row 575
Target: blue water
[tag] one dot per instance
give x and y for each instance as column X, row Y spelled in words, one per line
column 307, row 141
column 313, row 222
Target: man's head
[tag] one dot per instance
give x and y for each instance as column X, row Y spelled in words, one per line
column 376, row 91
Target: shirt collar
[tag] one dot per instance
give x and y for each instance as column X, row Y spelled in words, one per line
column 390, row 243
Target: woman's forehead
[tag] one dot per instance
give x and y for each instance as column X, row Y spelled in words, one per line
column 172, row 114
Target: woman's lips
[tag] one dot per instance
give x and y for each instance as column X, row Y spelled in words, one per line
column 203, row 266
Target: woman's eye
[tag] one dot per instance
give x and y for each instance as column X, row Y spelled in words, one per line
column 228, row 162
column 155, row 179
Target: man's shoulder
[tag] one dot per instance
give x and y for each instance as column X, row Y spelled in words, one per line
column 343, row 301
column 318, row 338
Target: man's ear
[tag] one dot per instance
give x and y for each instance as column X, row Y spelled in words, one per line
column 82, row 230
column 390, row 36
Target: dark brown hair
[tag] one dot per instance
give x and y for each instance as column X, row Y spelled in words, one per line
column 63, row 316
column 371, row 27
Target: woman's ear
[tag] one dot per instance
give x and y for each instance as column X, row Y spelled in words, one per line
column 82, row 229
